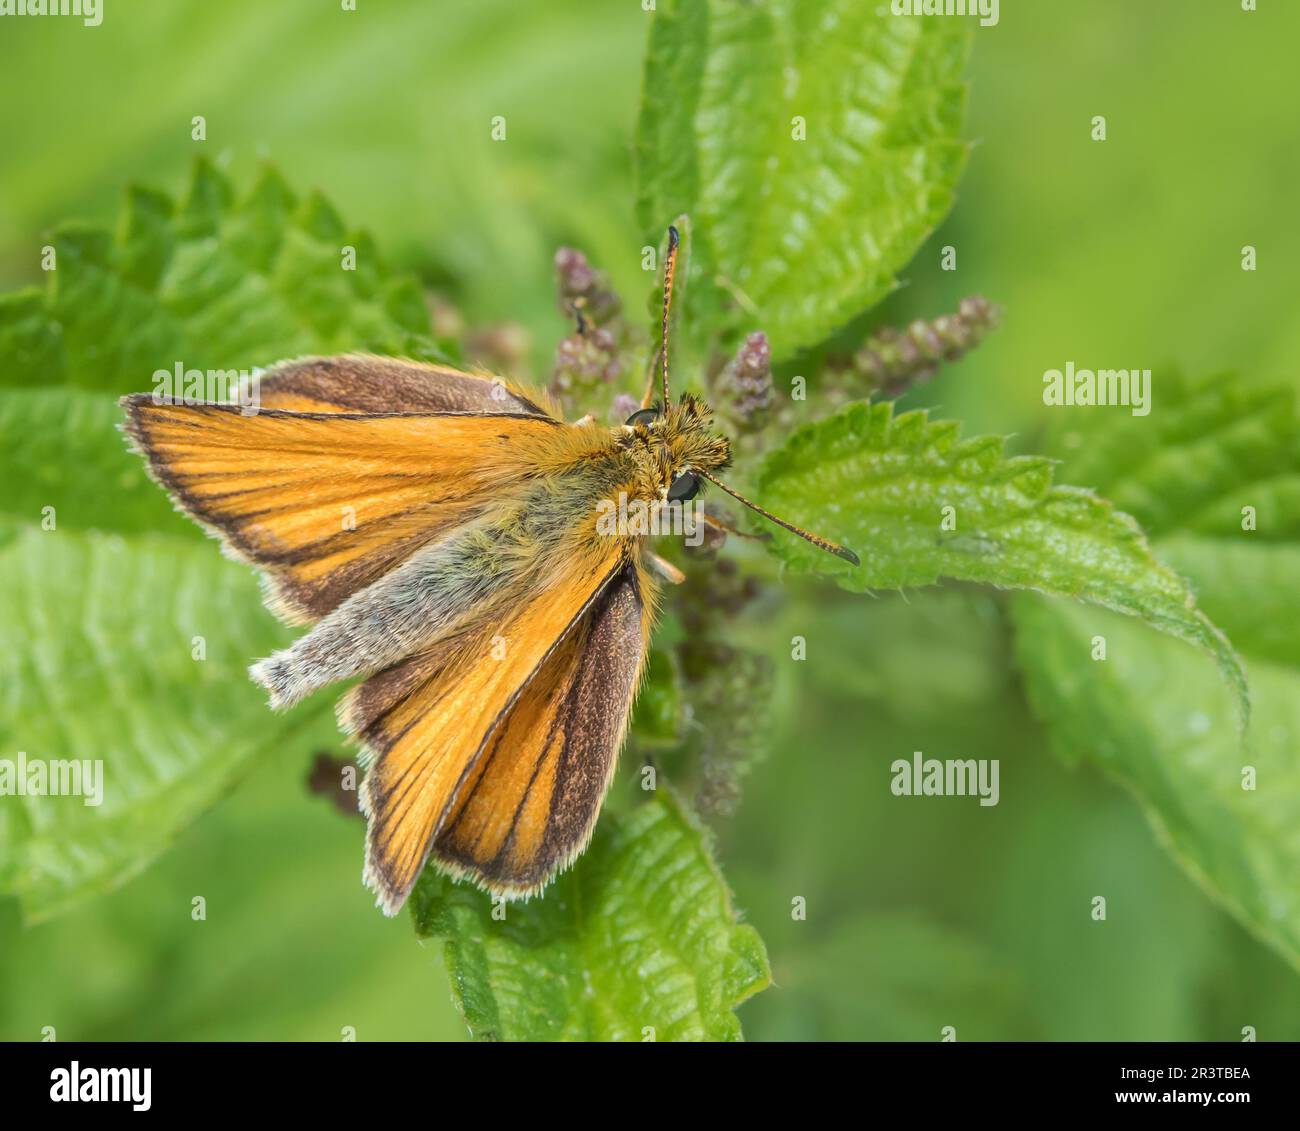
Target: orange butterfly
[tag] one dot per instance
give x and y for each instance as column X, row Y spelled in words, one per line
column 501, row 633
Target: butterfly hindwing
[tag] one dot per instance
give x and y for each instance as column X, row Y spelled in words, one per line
column 424, row 723
column 529, row 803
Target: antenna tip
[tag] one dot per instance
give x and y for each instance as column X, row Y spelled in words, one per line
column 673, row 237
column 847, row 554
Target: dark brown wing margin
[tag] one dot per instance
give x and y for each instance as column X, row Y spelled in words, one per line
column 365, row 383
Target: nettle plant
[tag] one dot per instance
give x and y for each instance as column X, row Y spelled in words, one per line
column 806, row 158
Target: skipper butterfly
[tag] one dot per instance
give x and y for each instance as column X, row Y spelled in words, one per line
column 500, row 635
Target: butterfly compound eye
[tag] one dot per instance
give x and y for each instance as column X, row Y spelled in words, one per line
column 684, row 487
column 645, row 416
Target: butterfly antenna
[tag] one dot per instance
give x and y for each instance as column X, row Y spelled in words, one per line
column 816, row 539
column 670, row 265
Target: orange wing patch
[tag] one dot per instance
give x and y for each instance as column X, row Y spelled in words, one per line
column 529, row 803
column 328, row 502
column 423, row 742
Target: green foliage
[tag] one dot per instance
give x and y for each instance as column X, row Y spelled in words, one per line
column 387, row 109
column 97, row 662
column 212, row 282
column 883, row 484
column 640, row 936
column 1153, row 716
column 60, row 447
column 801, row 233
column 1213, row 448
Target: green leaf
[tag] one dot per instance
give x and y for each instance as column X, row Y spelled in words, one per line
column 1152, row 716
column 1210, row 448
column 918, row 504
column 1155, row 718
column 639, row 936
column 30, row 341
column 218, row 283
column 802, row 235
column 97, row 643
column 61, row 448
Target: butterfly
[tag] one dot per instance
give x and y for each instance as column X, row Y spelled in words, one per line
column 438, row 530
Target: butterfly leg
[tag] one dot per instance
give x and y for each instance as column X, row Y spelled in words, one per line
column 666, row 569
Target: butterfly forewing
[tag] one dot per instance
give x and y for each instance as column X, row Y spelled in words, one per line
column 327, row 503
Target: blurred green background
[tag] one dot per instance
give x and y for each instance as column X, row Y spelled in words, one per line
column 918, row 914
